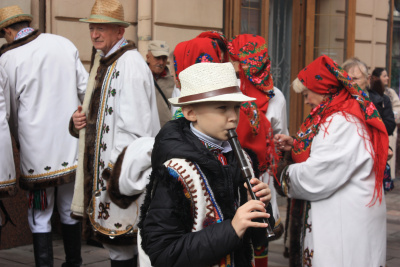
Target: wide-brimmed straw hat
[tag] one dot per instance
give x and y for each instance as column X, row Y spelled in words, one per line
column 107, row 11
column 206, row 82
column 10, row 15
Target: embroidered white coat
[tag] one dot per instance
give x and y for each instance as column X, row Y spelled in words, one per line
column 337, row 179
column 127, row 112
column 47, row 83
column 7, row 168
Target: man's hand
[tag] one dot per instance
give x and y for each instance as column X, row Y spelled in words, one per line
column 244, row 216
column 260, row 189
column 79, row 119
column 283, row 142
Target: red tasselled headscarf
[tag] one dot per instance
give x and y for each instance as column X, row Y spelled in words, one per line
column 194, row 51
column 254, row 129
column 324, row 76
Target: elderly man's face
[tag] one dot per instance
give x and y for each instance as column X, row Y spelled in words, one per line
column 358, row 77
column 156, row 64
column 105, row 36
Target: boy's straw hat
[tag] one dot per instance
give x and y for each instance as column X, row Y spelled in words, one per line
column 10, row 15
column 206, row 82
column 107, row 11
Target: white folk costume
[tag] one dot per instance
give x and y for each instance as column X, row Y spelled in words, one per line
column 47, row 83
column 43, row 97
column 337, row 182
column 121, row 109
column 337, row 211
column 8, row 180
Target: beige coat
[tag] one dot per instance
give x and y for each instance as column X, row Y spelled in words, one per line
column 166, row 84
column 394, row 99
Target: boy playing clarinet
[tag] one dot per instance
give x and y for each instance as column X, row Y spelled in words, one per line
column 197, row 210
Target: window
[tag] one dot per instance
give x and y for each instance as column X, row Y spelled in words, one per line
column 329, row 35
column 250, row 16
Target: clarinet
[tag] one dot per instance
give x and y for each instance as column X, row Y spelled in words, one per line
column 245, row 170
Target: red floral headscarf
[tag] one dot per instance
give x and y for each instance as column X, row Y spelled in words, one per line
column 217, row 35
column 194, row 51
column 324, row 76
column 254, row 129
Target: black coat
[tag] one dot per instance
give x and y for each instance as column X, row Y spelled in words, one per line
column 166, row 221
column 384, row 107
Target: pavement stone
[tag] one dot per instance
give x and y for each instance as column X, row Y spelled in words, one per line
column 98, row 257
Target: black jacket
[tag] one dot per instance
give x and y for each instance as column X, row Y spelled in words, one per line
column 166, row 221
column 384, row 107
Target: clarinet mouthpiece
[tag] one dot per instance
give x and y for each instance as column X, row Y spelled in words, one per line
column 232, row 133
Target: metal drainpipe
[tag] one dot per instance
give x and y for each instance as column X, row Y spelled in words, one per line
column 144, row 25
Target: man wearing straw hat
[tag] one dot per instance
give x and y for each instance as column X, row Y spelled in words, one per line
column 119, row 108
column 47, row 82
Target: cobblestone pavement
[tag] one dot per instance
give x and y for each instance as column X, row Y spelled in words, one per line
column 98, row 257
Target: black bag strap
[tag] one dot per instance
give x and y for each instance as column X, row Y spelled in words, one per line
column 162, row 94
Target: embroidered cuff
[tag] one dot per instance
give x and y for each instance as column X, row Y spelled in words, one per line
column 282, row 168
column 72, row 130
column 284, row 179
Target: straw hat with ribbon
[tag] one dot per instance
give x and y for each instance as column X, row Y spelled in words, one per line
column 206, row 82
column 107, row 11
column 10, row 15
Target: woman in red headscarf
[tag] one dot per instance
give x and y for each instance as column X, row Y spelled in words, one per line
column 188, row 53
column 260, row 119
column 220, row 38
column 338, row 211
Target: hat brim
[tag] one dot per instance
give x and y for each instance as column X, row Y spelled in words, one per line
column 159, row 53
column 234, row 97
column 114, row 22
column 14, row 19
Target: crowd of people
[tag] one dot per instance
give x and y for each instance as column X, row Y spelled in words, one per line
column 139, row 160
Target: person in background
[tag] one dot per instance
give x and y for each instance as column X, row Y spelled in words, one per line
column 261, row 119
column 187, row 53
column 373, row 86
column 8, row 179
column 119, row 108
column 47, row 83
column 221, row 41
column 381, row 73
column 157, row 59
column 358, row 72
column 333, row 172
column 219, row 44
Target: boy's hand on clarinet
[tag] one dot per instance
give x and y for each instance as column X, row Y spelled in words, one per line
column 244, row 216
column 260, row 189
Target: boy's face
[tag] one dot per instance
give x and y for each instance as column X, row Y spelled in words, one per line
column 213, row 118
